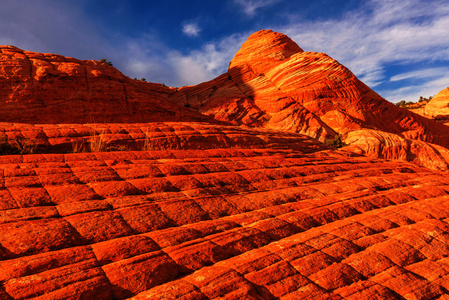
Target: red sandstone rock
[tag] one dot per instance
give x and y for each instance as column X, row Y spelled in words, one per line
column 48, row 88
column 378, row 144
column 209, row 211
column 296, row 241
column 273, row 83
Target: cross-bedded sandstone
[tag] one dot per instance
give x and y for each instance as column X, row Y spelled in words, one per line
column 205, row 224
column 194, row 208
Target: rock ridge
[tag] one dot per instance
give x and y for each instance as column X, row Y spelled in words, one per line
column 438, row 107
column 273, row 83
column 201, row 209
column 42, row 88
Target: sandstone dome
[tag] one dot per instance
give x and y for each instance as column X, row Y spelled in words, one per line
column 223, row 190
column 438, row 107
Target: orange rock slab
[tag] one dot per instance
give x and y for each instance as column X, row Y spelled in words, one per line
column 378, row 144
column 325, row 221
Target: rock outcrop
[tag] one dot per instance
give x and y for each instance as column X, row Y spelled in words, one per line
column 273, row 83
column 378, row 144
column 221, row 224
column 48, row 88
column 66, row 138
column 194, row 208
column 438, row 107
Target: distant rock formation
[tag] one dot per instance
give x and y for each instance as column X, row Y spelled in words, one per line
column 438, row 107
column 379, row 144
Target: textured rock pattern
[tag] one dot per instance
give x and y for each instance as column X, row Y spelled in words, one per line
column 48, row 88
column 378, row 144
column 215, row 211
column 273, row 83
column 223, row 223
column 68, row 138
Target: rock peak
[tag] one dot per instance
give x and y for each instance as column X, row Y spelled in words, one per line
column 265, row 46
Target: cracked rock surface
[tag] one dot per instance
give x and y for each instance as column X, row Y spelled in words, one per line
column 222, row 190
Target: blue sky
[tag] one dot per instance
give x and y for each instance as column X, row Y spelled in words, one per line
column 399, row 48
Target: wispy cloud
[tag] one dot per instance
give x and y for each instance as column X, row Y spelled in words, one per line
column 426, row 73
column 250, row 6
column 158, row 63
column 413, row 92
column 215, row 56
column 378, row 34
column 191, row 29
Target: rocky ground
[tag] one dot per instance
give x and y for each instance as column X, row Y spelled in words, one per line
column 113, row 188
column 224, row 223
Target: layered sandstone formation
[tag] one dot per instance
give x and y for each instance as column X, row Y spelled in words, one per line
column 70, row 138
column 273, row 83
column 194, row 208
column 221, row 224
column 438, row 107
column 378, row 144
column 48, row 88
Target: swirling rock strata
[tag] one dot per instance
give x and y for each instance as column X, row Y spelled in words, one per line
column 378, row 144
column 273, row 83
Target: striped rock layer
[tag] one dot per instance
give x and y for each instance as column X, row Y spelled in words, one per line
column 194, row 208
column 273, row 83
column 230, row 223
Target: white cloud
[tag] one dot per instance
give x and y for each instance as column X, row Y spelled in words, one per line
column 250, row 6
column 412, row 93
column 188, row 70
column 191, row 29
column 208, row 62
column 426, row 73
column 379, row 33
column 158, row 63
column 215, row 56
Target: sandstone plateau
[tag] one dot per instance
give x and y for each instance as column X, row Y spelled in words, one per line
column 224, row 190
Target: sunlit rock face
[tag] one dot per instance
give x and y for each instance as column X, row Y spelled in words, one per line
column 49, row 88
column 438, row 107
column 233, row 223
column 273, row 83
column 221, row 190
column 379, row 144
